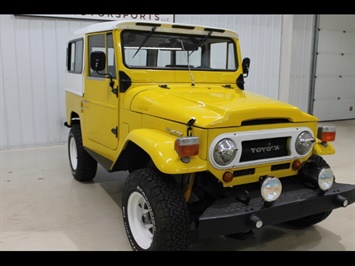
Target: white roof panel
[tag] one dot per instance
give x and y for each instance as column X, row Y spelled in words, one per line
column 170, row 27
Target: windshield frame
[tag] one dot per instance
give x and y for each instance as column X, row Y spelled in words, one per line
column 143, row 49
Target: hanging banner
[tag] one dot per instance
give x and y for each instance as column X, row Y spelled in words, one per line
column 140, row 17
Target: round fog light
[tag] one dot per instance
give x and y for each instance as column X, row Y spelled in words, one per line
column 325, row 179
column 271, row 189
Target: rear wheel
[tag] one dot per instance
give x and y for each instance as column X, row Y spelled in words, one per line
column 155, row 214
column 83, row 166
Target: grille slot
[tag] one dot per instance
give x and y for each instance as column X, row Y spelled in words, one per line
column 264, row 122
column 253, row 150
column 250, row 171
column 282, row 166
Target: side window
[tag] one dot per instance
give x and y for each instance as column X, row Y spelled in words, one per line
column 103, row 42
column 75, row 56
column 96, row 43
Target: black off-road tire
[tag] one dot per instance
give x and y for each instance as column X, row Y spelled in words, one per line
column 319, row 161
column 308, row 221
column 155, row 215
column 82, row 165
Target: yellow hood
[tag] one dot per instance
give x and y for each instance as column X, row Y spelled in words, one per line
column 212, row 106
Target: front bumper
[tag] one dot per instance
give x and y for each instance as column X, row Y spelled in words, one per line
column 229, row 216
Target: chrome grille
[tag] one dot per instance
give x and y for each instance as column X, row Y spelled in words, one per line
column 263, row 149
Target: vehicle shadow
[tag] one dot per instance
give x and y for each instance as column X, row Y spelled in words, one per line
column 272, row 238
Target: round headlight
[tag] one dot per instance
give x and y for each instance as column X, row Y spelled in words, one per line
column 325, row 179
column 224, row 151
column 304, row 142
column 271, row 189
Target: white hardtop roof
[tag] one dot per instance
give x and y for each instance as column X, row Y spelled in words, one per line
column 161, row 27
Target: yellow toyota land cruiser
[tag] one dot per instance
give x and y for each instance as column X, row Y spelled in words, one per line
column 167, row 103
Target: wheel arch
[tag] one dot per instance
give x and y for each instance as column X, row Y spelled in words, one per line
column 145, row 145
column 74, row 118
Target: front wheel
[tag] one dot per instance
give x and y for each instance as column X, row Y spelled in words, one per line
column 155, row 214
column 316, row 162
column 83, row 166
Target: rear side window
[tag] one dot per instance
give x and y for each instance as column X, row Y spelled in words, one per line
column 75, row 56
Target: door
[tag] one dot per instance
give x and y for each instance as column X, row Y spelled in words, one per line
column 100, row 103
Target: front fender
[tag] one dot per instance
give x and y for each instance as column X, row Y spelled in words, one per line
column 320, row 148
column 160, row 147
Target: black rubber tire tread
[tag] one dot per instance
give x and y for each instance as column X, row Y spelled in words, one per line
column 172, row 219
column 87, row 165
column 319, row 161
column 308, row 221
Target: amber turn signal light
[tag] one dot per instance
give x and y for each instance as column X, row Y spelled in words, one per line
column 326, row 133
column 296, row 165
column 227, row 177
column 187, row 146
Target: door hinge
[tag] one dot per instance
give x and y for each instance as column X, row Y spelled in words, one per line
column 114, row 131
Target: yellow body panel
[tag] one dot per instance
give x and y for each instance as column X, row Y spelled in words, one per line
column 74, row 105
column 160, row 146
column 323, row 149
column 101, row 113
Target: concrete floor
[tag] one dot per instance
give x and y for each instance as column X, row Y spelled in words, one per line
column 42, row 208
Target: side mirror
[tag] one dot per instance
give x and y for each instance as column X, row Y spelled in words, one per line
column 245, row 65
column 97, row 61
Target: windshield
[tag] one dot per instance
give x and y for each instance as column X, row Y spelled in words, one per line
column 150, row 49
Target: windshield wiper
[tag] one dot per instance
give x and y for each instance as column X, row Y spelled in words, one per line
column 188, row 63
column 201, row 42
column 145, row 40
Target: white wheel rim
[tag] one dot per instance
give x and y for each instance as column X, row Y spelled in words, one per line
column 140, row 222
column 73, row 153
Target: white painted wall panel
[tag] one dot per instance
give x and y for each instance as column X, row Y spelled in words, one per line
column 333, row 109
column 32, row 64
column 336, row 41
column 342, row 88
column 10, row 84
column 335, row 65
column 336, row 22
column 3, row 118
column 301, row 59
column 334, row 89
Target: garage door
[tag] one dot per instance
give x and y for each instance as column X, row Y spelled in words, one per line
column 334, row 81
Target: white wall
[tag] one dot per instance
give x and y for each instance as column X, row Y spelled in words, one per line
column 334, row 85
column 302, row 37
column 32, row 63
